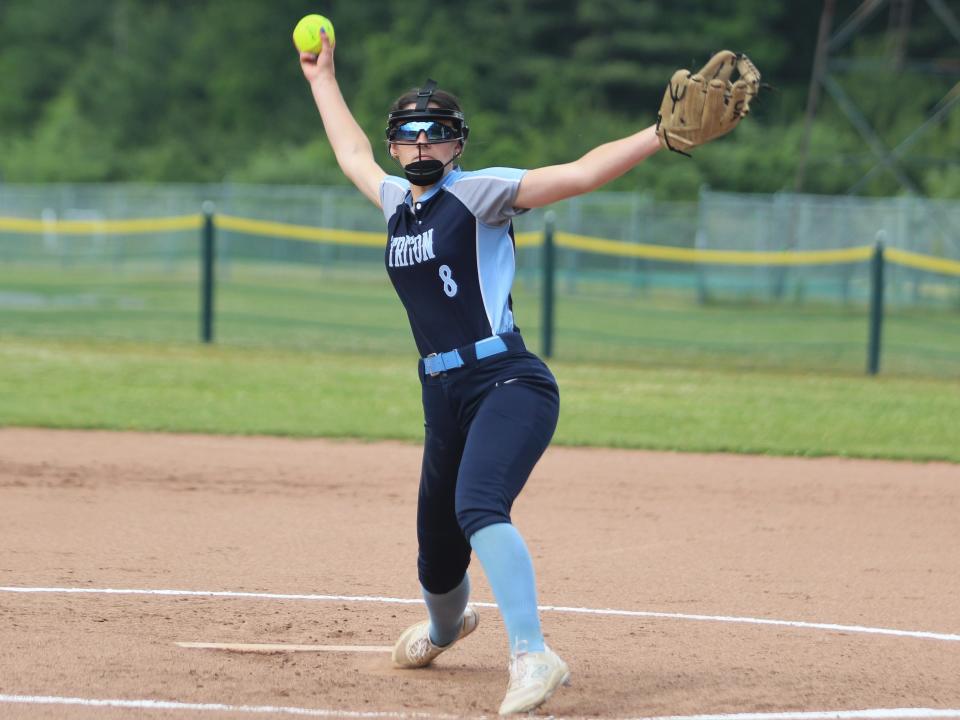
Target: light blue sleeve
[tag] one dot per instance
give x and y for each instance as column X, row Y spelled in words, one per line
column 392, row 192
column 489, row 194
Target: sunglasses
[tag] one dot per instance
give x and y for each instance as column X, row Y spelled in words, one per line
column 409, row 132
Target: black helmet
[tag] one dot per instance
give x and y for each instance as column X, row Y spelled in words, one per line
column 423, row 112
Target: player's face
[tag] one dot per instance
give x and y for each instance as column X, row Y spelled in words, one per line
column 423, row 148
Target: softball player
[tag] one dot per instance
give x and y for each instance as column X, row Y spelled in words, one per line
column 490, row 406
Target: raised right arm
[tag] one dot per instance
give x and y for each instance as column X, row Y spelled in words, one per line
column 350, row 144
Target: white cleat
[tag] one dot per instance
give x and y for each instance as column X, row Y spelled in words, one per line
column 534, row 677
column 414, row 649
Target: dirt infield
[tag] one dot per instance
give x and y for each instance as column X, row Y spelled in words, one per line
column 715, row 543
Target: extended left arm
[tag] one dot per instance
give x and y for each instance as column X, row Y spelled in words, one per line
column 546, row 185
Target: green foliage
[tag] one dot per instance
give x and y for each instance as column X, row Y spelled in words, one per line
column 312, row 162
column 63, row 146
column 211, row 90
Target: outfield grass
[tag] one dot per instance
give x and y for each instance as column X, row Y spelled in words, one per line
column 345, row 307
column 191, row 388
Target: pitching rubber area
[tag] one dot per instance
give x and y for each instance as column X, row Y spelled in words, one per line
column 699, row 587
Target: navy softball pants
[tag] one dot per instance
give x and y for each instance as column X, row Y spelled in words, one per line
column 486, row 427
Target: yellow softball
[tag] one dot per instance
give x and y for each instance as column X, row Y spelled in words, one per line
column 306, row 35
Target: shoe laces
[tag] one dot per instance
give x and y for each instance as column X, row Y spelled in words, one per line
column 420, row 648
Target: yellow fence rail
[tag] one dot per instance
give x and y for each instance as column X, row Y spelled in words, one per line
column 714, row 257
column 102, row 227
column 299, row 232
column 570, row 241
column 923, row 262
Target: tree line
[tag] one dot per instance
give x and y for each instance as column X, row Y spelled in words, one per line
column 211, row 91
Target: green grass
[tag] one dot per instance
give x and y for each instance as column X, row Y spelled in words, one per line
column 190, row 388
column 350, row 307
column 325, row 350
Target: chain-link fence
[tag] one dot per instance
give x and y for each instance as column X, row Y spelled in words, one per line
column 70, row 269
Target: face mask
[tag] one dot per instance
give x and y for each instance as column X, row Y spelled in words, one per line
column 426, row 172
column 438, row 125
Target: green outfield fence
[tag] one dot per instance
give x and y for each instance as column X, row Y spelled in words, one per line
column 791, row 282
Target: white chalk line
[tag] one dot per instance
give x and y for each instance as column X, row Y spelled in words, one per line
column 918, row 634
column 876, row 714
column 214, row 707
column 879, row 714
column 284, row 648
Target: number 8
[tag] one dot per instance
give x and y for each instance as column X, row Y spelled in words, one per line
column 449, row 284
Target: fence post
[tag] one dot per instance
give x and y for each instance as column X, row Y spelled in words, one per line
column 207, row 259
column 549, row 272
column 876, row 307
column 700, row 242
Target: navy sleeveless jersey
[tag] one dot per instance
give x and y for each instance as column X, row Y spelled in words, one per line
column 450, row 255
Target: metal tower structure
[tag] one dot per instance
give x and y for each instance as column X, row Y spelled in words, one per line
column 828, row 63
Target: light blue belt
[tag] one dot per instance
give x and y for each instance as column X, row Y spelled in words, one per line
column 436, row 363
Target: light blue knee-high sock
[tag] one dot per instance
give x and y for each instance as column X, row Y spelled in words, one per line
column 446, row 612
column 506, row 561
